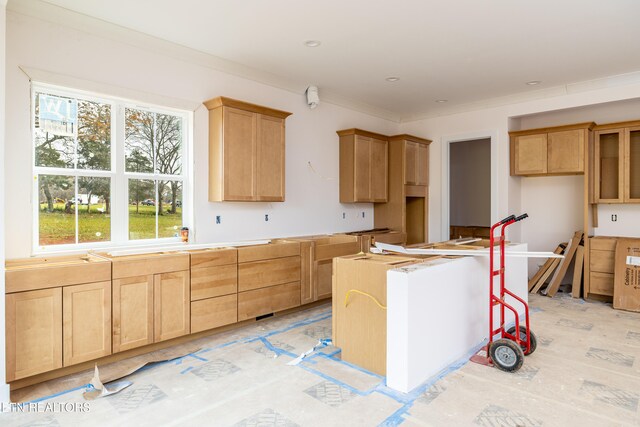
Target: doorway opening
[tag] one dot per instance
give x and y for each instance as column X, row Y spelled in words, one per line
column 470, row 188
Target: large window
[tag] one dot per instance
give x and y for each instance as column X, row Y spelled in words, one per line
column 107, row 172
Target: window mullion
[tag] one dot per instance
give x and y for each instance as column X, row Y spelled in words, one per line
column 120, row 210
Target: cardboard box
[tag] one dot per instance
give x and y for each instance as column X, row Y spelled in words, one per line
column 626, row 290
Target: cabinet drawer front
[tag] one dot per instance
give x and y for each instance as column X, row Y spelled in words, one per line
column 18, row 280
column 213, row 312
column 151, row 264
column 272, row 250
column 268, row 300
column 603, row 244
column 333, row 250
column 260, row 274
column 213, row 257
column 601, row 283
column 33, row 332
column 86, row 322
column 214, row 281
column 602, row 261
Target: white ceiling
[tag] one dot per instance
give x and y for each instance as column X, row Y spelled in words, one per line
column 464, row 51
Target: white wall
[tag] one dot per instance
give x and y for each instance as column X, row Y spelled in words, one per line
column 4, row 389
column 554, row 204
column 470, row 183
column 311, row 204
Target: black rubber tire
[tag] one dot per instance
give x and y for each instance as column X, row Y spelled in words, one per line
column 523, row 337
column 506, row 355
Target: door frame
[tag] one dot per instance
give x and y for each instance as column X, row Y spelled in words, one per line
column 447, row 140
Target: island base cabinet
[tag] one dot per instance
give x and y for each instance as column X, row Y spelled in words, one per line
column 86, row 318
column 33, row 332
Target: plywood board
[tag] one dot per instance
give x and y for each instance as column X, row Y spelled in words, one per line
column 576, row 286
column 564, row 264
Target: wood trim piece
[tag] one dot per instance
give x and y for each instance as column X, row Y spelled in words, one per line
column 366, row 133
column 587, row 125
column 617, row 125
column 406, row 137
column 223, row 101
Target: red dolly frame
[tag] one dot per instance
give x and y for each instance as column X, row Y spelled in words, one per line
column 525, row 343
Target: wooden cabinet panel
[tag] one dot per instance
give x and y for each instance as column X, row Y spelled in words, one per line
column 33, row 332
column 139, row 265
column 324, row 271
column 171, row 305
column 602, row 261
column 632, row 166
column 275, row 249
column 422, row 164
column 239, row 153
column 601, row 283
column 214, row 281
column 410, row 166
column 132, row 312
column 529, row 154
column 603, row 243
column 86, row 321
column 214, row 312
column 565, row 151
column 270, row 159
column 362, row 169
column 378, row 170
column 260, row 274
column 259, row 302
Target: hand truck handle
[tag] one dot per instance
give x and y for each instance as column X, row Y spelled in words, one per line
column 507, row 219
column 521, row 217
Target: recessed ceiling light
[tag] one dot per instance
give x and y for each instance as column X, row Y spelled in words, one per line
column 392, row 79
column 312, row 43
column 534, row 82
column 441, row 101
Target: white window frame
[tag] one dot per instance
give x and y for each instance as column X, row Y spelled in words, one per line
column 119, row 191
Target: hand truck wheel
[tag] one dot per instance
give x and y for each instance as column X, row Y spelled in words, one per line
column 523, row 338
column 506, row 355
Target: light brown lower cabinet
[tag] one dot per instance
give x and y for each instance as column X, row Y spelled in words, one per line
column 324, row 271
column 33, row 332
column 214, row 312
column 86, row 322
column 150, row 308
column 263, row 301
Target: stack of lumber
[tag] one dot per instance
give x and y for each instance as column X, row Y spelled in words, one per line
column 554, row 270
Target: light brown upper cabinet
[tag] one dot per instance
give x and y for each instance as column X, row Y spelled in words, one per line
column 617, row 163
column 246, row 151
column 549, row 151
column 363, row 166
column 416, row 162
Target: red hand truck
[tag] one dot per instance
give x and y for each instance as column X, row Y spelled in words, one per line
column 506, row 353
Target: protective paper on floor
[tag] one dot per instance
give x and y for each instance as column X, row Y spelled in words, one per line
column 100, row 390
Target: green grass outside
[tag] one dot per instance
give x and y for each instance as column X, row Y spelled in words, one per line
column 58, row 227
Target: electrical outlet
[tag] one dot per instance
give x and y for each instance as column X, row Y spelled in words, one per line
column 363, row 214
column 218, row 219
column 344, row 215
column 614, row 218
column 266, row 217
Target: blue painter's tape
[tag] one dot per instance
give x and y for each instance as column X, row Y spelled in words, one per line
column 351, row 365
column 184, row 371
column 198, row 357
column 334, row 380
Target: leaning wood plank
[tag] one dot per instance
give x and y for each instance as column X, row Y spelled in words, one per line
column 577, row 273
column 546, row 275
column 545, row 266
column 564, row 265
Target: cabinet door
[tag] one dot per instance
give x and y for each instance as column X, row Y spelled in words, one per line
column 132, row 312
column 632, row 166
column 362, row 169
column 33, row 332
column 378, row 170
column 609, row 166
column 324, row 270
column 270, row 159
column 410, row 163
column 239, row 130
column 171, row 305
column 86, row 321
column 422, row 164
column 530, row 154
column 565, row 151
